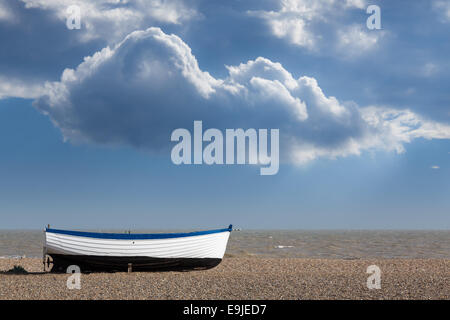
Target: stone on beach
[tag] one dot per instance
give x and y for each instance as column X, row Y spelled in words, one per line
column 241, row 278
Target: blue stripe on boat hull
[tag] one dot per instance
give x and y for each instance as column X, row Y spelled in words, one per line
column 120, row 264
column 136, row 236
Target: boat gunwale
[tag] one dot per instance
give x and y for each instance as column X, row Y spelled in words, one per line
column 135, row 236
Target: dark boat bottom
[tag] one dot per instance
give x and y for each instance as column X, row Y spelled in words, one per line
column 121, row 264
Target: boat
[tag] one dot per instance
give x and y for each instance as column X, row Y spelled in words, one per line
column 93, row 251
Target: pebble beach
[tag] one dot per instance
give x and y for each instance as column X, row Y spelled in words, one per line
column 240, row 278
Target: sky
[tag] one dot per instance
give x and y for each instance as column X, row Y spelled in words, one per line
column 86, row 114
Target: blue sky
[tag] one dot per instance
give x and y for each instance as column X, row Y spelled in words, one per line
column 364, row 115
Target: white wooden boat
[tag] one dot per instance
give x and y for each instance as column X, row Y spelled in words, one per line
column 93, row 251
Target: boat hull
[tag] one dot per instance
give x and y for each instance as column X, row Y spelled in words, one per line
column 121, row 264
column 93, row 252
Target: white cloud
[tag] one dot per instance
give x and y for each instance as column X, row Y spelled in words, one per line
column 356, row 39
column 360, row 4
column 5, row 13
column 113, row 19
column 443, row 9
column 137, row 92
column 295, row 30
column 435, row 167
column 394, row 127
column 429, row 69
column 10, row 87
column 296, row 20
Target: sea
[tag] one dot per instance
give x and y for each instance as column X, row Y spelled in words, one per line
column 325, row 244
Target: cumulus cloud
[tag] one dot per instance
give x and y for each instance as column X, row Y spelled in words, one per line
column 37, row 45
column 302, row 22
column 137, row 92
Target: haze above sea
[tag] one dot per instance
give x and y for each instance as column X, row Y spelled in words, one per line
column 335, row 244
